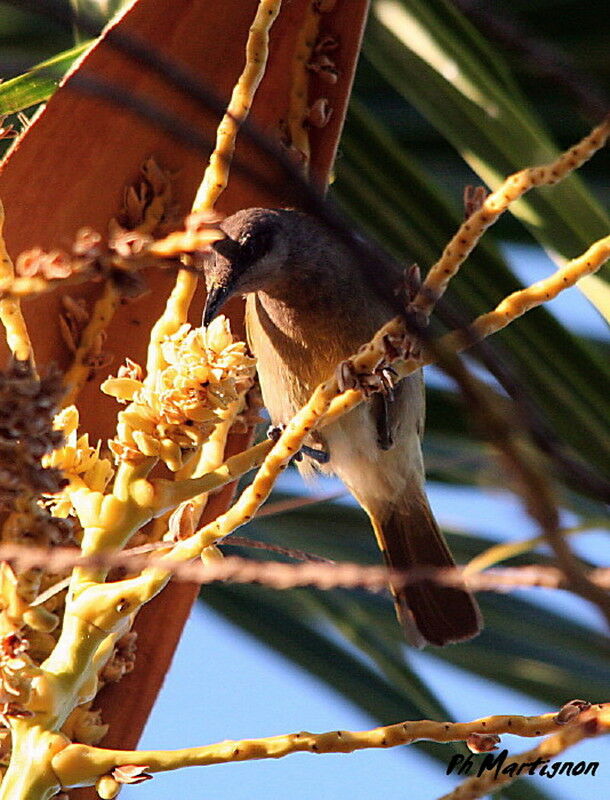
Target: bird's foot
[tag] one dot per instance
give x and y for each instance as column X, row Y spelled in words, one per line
column 274, row 432
column 321, row 456
column 399, row 346
column 381, row 379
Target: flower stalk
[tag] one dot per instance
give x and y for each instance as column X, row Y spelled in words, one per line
column 79, row 765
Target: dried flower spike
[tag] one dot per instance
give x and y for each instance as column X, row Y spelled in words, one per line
column 570, row 711
column 482, row 742
column 27, row 406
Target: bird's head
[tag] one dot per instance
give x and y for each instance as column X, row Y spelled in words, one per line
column 253, row 256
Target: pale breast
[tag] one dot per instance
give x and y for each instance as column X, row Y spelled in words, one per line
column 292, row 358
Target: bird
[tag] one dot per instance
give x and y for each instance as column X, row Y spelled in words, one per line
column 309, row 307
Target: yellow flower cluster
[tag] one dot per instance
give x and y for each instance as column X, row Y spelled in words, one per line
column 174, row 410
column 80, row 463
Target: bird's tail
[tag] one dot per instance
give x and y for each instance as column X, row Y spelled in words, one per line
column 429, row 612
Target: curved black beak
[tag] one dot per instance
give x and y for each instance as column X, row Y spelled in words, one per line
column 217, row 297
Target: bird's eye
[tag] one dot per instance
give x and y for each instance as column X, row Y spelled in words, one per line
column 256, row 245
column 248, row 249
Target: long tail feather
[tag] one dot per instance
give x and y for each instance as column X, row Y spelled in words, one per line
column 430, row 613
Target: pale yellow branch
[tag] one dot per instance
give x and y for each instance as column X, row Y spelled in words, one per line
column 275, row 574
column 16, row 288
column 169, row 494
column 20, row 287
column 517, row 303
column 505, row 550
column 470, row 232
column 80, row 764
column 512, row 307
column 257, row 52
column 174, row 315
column 17, row 336
column 590, row 723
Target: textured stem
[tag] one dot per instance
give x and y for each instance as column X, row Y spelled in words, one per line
column 101, row 316
column 257, row 51
column 29, row 775
column 516, row 185
column 84, row 764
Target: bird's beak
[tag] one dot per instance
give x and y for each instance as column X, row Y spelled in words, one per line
column 219, row 293
column 217, row 297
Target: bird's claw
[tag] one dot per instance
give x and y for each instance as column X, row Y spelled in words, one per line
column 274, row 432
column 347, row 378
column 320, row 456
column 381, row 379
column 399, row 346
column 410, row 285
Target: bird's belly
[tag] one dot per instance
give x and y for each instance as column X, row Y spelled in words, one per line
column 374, row 476
column 283, row 396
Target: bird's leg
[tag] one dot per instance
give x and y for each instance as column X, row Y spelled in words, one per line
column 320, row 456
column 381, row 378
column 381, row 414
column 274, row 432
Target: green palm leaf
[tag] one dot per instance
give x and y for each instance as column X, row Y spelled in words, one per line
column 39, row 83
column 437, row 61
column 279, row 621
column 524, row 646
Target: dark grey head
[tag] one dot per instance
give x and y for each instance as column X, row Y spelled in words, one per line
column 255, row 255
